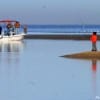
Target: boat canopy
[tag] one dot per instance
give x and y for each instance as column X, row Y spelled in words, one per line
column 8, row 21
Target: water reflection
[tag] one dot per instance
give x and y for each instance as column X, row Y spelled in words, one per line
column 13, row 46
column 10, row 51
column 94, row 80
column 94, row 66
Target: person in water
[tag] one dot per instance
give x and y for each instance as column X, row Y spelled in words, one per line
column 93, row 39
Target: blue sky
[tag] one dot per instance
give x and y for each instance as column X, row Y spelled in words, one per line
column 51, row 11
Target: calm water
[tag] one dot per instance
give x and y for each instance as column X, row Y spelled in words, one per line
column 33, row 70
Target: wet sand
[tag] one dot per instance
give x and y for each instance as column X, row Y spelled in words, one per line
column 81, row 55
column 60, row 37
column 84, row 55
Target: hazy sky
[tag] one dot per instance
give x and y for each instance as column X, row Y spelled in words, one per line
column 51, row 11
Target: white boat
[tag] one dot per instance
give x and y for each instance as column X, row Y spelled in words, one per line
column 16, row 37
column 12, row 35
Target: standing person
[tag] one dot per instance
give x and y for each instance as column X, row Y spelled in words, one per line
column 25, row 29
column 17, row 26
column 93, row 39
column 9, row 28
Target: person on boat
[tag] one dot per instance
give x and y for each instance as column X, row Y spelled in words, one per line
column 25, row 29
column 93, row 39
column 17, row 26
column 0, row 30
column 9, row 28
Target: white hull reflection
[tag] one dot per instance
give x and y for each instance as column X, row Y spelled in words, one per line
column 15, row 46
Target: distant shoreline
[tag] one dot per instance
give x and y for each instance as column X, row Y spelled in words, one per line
column 59, row 37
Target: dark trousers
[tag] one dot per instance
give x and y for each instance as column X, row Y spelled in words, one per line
column 94, row 48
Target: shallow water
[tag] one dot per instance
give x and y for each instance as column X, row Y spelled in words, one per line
column 34, row 70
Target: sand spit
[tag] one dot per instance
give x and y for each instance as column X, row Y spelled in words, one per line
column 84, row 55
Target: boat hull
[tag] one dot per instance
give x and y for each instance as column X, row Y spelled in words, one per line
column 17, row 37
